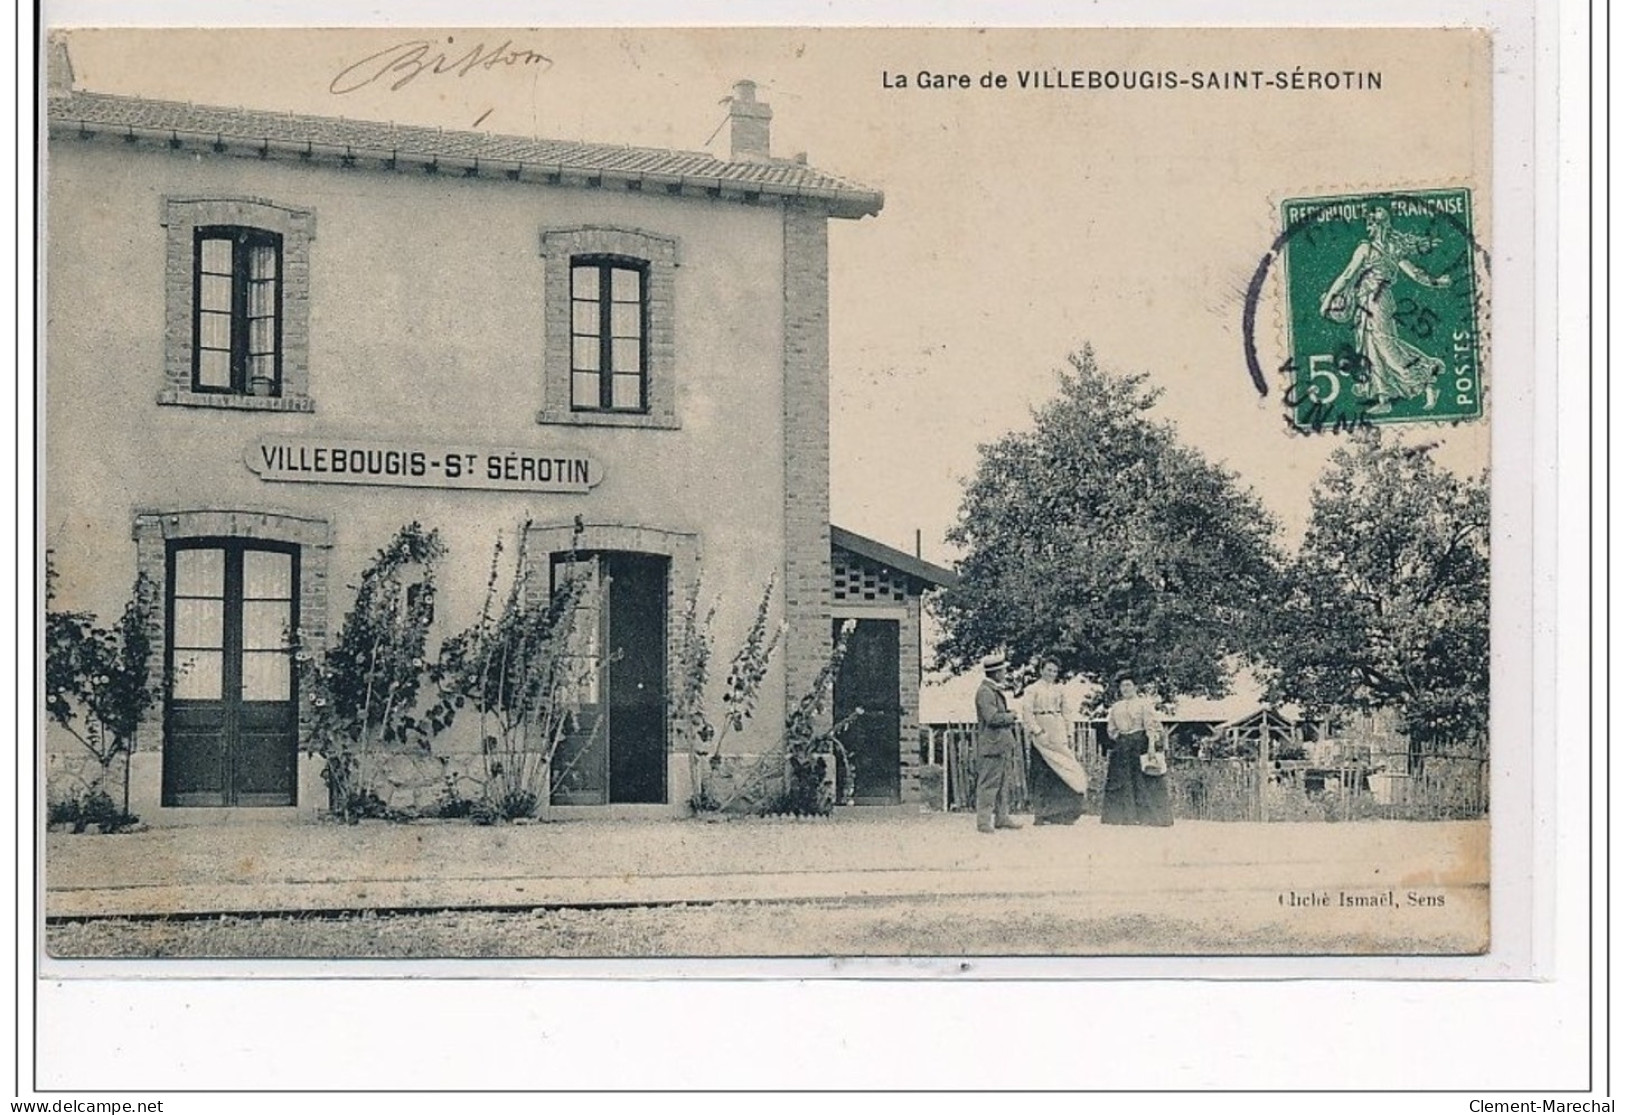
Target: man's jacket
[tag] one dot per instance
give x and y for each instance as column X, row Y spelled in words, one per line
column 995, row 723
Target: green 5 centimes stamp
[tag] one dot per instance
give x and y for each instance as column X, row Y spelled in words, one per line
column 1382, row 309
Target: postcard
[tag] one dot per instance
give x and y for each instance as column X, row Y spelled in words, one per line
column 779, row 493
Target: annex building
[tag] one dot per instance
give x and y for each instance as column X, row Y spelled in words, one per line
column 273, row 340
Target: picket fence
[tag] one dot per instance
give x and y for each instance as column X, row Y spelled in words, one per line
column 1445, row 787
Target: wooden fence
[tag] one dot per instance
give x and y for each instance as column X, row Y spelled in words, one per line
column 1442, row 788
column 954, row 746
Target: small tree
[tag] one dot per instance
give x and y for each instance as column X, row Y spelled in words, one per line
column 1388, row 605
column 748, row 670
column 520, row 667
column 364, row 689
column 796, row 776
column 810, row 754
column 99, row 687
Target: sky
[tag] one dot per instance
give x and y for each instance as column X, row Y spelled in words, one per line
column 1019, row 224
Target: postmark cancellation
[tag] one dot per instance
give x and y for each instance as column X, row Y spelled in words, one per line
column 1383, row 309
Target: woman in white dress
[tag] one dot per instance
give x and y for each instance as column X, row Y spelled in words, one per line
column 1056, row 781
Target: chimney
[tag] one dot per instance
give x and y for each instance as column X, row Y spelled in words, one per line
column 58, row 67
column 749, row 120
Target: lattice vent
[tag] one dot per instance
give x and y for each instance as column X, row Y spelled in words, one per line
column 857, row 579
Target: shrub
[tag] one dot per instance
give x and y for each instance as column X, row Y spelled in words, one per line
column 363, row 690
column 691, row 721
column 93, row 807
column 522, row 668
column 452, row 805
column 99, row 684
column 807, row 791
column 809, row 755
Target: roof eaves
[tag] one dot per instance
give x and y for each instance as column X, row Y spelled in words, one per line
column 221, row 128
column 918, row 568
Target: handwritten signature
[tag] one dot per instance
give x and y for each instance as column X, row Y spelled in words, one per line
column 404, row 62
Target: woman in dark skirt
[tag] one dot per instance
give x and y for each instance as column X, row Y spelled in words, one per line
column 1131, row 796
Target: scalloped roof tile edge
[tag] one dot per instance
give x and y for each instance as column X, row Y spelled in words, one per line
column 296, row 133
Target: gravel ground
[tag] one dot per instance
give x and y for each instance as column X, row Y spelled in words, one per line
column 853, row 886
column 981, row 926
column 326, row 852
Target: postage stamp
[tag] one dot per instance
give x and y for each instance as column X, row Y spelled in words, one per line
column 1382, row 306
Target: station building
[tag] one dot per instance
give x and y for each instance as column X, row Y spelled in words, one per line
column 272, row 340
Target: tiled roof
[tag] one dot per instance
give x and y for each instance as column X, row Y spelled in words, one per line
column 329, row 137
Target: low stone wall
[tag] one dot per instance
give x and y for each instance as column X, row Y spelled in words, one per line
column 740, row 783
column 70, row 774
column 422, row 782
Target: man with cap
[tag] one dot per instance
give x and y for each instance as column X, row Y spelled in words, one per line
column 995, row 748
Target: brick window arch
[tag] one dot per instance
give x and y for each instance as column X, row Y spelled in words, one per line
column 237, row 300
column 545, row 541
column 608, row 312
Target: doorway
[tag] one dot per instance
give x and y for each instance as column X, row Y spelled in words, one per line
column 230, row 719
column 615, row 752
column 868, row 679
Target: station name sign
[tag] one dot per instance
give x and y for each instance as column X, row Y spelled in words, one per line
column 421, row 465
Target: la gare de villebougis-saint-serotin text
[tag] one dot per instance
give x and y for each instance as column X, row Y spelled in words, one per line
column 1296, row 79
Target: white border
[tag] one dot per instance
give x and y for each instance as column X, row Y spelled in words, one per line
column 885, row 1034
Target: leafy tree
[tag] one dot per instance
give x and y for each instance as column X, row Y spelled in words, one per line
column 1388, row 600
column 99, row 686
column 364, row 688
column 689, row 713
column 525, row 666
column 1098, row 538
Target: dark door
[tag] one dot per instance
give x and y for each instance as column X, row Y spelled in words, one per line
column 616, row 748
column 868, row 679
column 636, row 683
column 231, row 732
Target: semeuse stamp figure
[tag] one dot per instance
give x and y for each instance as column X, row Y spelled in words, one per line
column 1382, row 311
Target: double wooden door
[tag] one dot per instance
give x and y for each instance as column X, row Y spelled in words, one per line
column 231, row 722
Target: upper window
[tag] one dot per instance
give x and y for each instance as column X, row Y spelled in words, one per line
column 608, row 308
column 237, row 288
column 237, row 318
column 607, row 311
